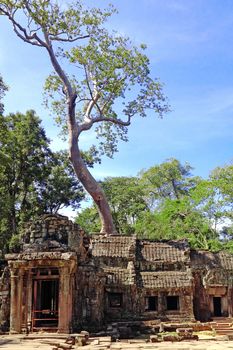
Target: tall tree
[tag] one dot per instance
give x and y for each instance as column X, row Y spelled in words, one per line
column 221, row 180
column 126, row 200
column 168, row 180
column 24, row 149
column 33, row 179
column 3, row 89
column 178, row 219
column 182, row 205
column 89, row 220
column 112, row 82
column 60, row 188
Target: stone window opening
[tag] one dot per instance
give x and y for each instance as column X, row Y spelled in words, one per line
column 115, row 300
column 110, row 278
column 151, row 303
column 173, row 303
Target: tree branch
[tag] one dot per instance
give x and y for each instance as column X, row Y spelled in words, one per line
column 112, row 120
column 21, row 32
column 90, row 106
column 68, row 88
column 93, row 102
column 58, row 38
column 88, row 125
column 87, row 80
column 33, row 39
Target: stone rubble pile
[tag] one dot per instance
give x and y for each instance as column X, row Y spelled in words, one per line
column 85, row 342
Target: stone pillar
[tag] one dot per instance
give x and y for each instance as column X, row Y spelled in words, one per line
column 229, row 301
column 161, row 303
column 65, row 301
column 29, row 299
column 16, row 301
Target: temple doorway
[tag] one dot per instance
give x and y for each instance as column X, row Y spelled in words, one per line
column 217, row 303
column 45, row 303
column 42, row 292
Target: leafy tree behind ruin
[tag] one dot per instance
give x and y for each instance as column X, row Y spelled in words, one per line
column 3, row 89
column 156, row 204
column 199, row 210
column 24, row 147
column 168, row 180
column 126, row 198
column 103, row 85
column 33, row 179
column 60, row 188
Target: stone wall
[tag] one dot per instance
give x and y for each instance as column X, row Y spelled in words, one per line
column 4, row 296
column 88, row 308
column 115, row 278
column 136, row 270
column 53, row 232
column 213, row 278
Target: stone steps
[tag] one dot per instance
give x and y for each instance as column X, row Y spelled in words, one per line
column 223, row 326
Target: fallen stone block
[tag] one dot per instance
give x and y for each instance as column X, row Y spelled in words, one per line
column 105, row 339
column 154, row 339
column 70, row 340
column 59, row 346
column 85, row 333
column 81, row 340
column 182, row 331
column 172, row 338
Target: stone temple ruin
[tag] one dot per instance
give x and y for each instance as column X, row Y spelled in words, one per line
column 62, row 280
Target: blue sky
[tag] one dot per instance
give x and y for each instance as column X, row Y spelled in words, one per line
column 190, row 46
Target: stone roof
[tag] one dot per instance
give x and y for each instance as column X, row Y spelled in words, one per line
column 118, row 276
column 48, row 232
column 164, row 280
column 220, row 260
column 51, row 232
column 3, row 266
column 41, row 256
column 170, row 251
column 155, row 280
column 225, row 259
column 218, row 277
column 113, row 246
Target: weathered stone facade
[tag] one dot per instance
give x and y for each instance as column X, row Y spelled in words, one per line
column 4, row 297
column 63, row 280
column 213, row 287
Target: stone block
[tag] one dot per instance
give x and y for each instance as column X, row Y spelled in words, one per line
column 154, row 339
column 184, row 330
column 172, row 338
column 80, row 340
column 105, row 339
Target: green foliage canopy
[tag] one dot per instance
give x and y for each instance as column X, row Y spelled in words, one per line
column 33, row 179
column 100, row 80
column 3, row 89
column 171, row 203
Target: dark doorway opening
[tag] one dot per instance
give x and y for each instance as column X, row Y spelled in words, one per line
column 45, row 303
column 217, row 306
column 151, row 303
column 173, row 303
column 115, row 299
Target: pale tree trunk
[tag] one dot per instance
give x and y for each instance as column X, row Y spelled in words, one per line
column 83, row 174
column 85, row 177
column 93, row 188
column 80, row 168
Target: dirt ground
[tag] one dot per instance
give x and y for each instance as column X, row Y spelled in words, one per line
column 15, row 342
